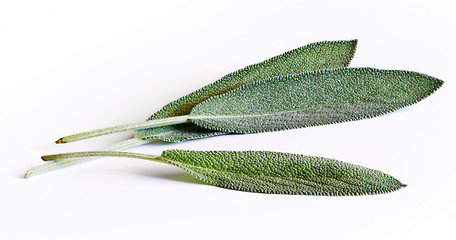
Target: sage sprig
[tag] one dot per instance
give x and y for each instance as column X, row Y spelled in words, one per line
column 305, row 87
column 315, row 56
column 268, row 172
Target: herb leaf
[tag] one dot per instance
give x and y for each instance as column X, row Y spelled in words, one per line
column 311, row 99
column 269, row 172
column 315, row 56
column 295, row 101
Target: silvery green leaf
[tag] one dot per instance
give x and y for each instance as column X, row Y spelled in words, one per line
column 269, row 172
column 296, row 101
column 315, row 56
column 281, row 173
column 311, row 99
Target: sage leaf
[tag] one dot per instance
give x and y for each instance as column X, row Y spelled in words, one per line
column 312, row 99
column 315, row 56
column 269, row 172
column 295, row 101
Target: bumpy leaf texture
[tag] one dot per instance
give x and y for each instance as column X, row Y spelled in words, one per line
column 315, row 56
column 310, row 99
column 281, row 173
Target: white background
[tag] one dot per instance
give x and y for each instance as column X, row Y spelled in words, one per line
column 71, row 66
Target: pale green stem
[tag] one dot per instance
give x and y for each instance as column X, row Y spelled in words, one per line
column 104, row 154
column 126, row 127
column 49, row 166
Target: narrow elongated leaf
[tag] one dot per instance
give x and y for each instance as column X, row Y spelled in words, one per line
column 294, row 101
column 269, row 172
column 316, row 56
column 311, row 99
column 282, row 173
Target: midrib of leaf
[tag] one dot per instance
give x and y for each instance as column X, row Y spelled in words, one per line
column 295, row 110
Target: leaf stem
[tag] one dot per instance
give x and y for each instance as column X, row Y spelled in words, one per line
column 104, row 154
column 57, row 164
column 126, row 127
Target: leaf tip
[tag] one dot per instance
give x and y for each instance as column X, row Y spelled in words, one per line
column 439, row 83
column 60, row 141
column 399, row 186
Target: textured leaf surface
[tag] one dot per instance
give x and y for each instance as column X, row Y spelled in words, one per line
column 316, row 56
column 282, row 173
column 315, row 98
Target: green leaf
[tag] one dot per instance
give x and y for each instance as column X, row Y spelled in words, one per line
column 281, row 173
column 269, row 172
column 315, row 56
column 311, row 99
column 295, row 101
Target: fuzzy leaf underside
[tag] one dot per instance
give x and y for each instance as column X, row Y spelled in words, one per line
column 315, row 56
column 281, row 173
column 181, row 132
column 312, row 99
